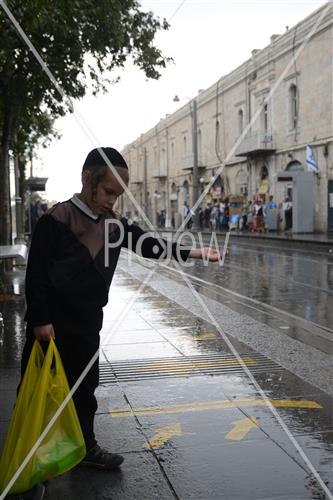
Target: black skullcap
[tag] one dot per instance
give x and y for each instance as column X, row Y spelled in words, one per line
column 95, row 159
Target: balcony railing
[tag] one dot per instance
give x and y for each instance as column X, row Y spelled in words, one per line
column 136, row 180
column 160, row 172
column 256, row 143
column 188, row 161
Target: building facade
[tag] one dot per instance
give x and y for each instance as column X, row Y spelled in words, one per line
column 246, row 130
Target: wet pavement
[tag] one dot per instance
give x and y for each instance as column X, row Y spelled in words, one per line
column 176, row 402
column 290, row 289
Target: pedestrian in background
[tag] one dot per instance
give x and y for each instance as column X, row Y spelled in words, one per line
column 271, row 203
column 207, row 215
column 271, row 214
column 201, row 218
column 226, row 215
column 259, row 216
column 187, row 212
column 244, row 215
column 221, row 215
column 214, row 217
column 288, row 213
column 250, row 215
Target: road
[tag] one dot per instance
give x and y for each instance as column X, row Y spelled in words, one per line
column 292, row 290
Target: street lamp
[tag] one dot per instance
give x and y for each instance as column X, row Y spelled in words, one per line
column 195, row 172
column 145, row 180
column 168, row 206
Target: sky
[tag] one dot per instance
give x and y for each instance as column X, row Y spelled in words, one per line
column 207, row 39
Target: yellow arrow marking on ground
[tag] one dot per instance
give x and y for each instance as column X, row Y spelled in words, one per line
column 212, row 405
column 185, row 366
column 242, row 427
column 163, row 434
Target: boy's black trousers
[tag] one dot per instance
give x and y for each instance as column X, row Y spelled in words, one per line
column 75, row 351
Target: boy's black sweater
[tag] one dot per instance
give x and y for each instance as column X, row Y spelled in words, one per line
column 67, row 279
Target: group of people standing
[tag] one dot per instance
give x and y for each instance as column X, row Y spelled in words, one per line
column 255, row 215
column 252, row 215
column 215, row 216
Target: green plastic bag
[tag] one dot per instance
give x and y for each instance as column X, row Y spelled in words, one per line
column 44, row 388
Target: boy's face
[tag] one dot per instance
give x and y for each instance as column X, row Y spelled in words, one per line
column 107, row 191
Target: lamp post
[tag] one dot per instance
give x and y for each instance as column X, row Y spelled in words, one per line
column 145, row 183
column 168, row 207
column 195, row 171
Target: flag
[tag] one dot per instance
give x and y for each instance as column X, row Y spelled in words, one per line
column 310, row 160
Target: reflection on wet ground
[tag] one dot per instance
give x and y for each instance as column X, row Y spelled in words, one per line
column 185, row 435
column 292, row 281
column 12, row 328
column 189, row 335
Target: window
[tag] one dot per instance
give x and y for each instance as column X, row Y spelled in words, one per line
column 163, row 159
column 186, row 192
column 217, row 136
column 184, row 146
column 264, row 172
column 266, row 118
column 241, row 182
column 293, row 97
column 240, row 121
column 172, row 152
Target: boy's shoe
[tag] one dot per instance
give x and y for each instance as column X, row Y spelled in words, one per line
column 102, row 459
column 36, row 493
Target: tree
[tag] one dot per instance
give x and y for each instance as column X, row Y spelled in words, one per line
column 81, row 41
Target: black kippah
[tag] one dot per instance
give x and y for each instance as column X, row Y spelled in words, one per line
column 95, row 159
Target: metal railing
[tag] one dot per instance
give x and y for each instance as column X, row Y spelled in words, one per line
column 256, row 142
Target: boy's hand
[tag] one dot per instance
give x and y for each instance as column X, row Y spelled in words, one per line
column 212, row 254
column 44, row 332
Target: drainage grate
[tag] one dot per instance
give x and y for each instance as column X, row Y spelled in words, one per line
column 209, row 364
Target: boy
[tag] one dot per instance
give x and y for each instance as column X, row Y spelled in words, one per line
column 67, row 282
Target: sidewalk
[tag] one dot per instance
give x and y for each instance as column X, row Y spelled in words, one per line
column 175, row 401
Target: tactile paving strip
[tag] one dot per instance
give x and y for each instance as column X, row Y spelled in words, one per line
column 189, row 366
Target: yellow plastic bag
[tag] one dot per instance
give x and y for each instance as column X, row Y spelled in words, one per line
column 44, row 388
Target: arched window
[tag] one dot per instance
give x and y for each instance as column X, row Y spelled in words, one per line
column 264, row 172
column 242, row 182
column 184, row 146
column 294, row 166
column 266, row 118
column 240, row 121
column 293, row 105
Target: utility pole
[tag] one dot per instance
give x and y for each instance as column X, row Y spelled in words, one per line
column 195, row 173
column 145, row 184
column 168, row 208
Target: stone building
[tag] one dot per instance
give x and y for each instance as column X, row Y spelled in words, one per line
column 247, row 128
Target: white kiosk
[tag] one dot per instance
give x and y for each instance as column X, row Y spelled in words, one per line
column 302, row 199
